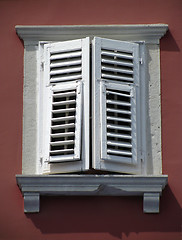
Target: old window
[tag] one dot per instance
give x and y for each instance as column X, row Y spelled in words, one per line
column 63, row 82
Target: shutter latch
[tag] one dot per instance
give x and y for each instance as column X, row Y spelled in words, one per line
column 141, row 60
column 79, row 88
column 42, row 66
column 132, row 93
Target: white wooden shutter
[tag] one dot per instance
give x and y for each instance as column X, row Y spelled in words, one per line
column 118, row 123
column 116, row 106
column 65, row 61
column 65, row 123
column 66, row 106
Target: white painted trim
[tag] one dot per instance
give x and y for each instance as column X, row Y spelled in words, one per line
column 141, row 32
column 96, row 124
column 85, row 138
column 34, row 186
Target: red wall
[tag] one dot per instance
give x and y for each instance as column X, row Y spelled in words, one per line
column 89, row 218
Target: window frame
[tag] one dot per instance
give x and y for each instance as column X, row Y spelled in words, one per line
column 32, row 35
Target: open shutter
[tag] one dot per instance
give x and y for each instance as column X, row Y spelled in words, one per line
column 66, row 106
column 118, row 123
column 65, row 124
column 116, row 106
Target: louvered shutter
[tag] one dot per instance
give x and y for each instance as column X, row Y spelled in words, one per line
column 116, row 106
column 66, row 106
column 65, row 124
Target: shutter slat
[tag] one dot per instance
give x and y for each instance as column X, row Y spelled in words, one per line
column 65, row 63
column 66, row 55
column 68, row 150
column 118, row 103
column 118, row 127
column 65, row 103
column 119, row 119
column 69, row 70
column 60, row 143
column 62, row 103
column 115, row 62
column 114, row 135
column 118, row 152
column 63, row 110
column 117, row 93
column 116, row 54
column 116, row 70
column 64, row 94
column 63, row 126
column 54, row 79
column 112, row 76
column 63, row 119
column 120, row 144
column 59, row 135
column 118, row 111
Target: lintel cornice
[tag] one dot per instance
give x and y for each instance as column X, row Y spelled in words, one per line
column 150, row 33
column 33, row 186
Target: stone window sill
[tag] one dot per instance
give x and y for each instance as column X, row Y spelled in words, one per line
column 34, row 186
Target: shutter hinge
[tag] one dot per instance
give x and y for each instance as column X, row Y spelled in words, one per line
column 132, row 93
column 142, row 156
column 41, row 160
column 79, row 89
column 42, row 66
column 141, row 60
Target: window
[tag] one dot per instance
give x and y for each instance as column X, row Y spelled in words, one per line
column 113, row 72
column 104, row 79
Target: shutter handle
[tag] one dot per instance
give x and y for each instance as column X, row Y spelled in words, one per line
column 132, row 93
column 78, row 89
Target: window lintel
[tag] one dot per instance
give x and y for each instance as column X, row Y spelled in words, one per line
column 150, row 33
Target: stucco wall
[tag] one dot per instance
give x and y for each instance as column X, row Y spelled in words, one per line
column 90, row 218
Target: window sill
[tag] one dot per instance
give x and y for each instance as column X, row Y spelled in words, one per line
column 34, row 186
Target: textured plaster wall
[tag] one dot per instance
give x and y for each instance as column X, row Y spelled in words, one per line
column 96, row 217
column 30, row 100
column 154, row 110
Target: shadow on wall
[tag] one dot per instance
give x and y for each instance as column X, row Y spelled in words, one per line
column 113, row 215
column 168, row 43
